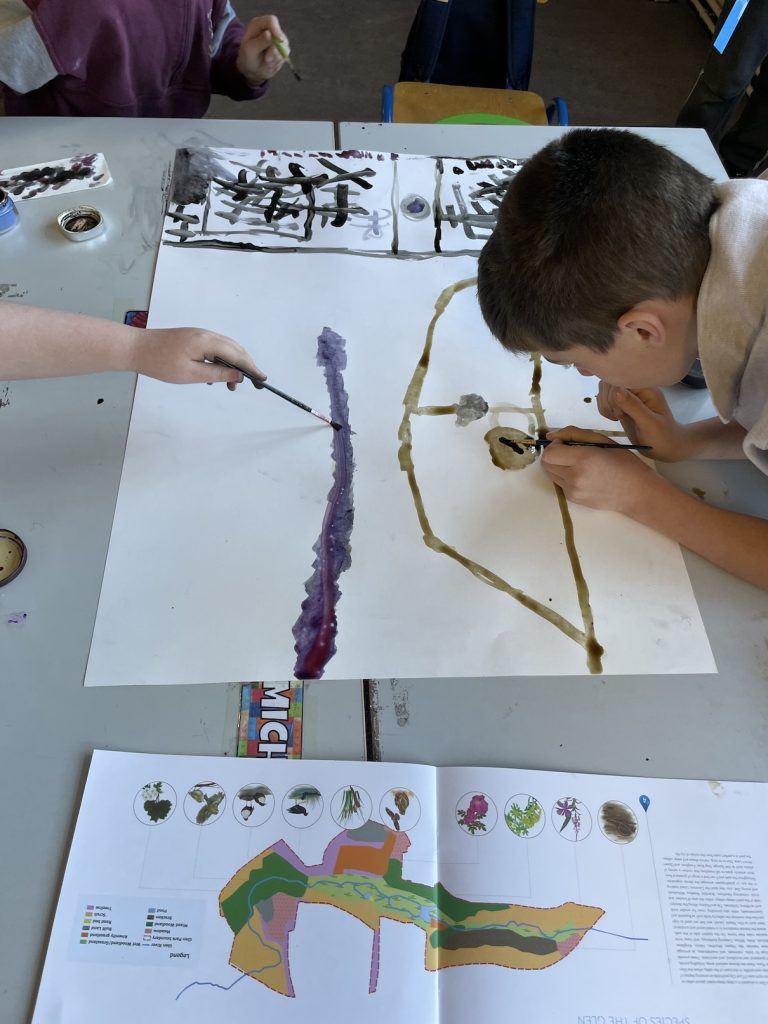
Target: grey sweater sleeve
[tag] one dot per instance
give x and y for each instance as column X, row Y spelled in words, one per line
column 25, row 63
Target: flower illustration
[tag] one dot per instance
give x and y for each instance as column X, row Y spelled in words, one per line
column 567, row 808
column 471, row 818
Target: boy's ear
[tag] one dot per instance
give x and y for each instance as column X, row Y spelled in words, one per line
column 646, row 322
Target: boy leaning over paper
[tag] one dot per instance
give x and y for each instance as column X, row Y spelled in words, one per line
column 614, row 255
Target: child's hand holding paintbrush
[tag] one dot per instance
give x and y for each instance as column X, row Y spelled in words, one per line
column 594, row 470
column 263, row 50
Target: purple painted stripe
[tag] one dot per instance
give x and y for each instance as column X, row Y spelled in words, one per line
column 315, row 628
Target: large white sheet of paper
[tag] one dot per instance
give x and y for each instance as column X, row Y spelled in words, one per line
column 452, row 566
column 211, row 888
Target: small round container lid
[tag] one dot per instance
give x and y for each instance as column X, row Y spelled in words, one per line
column 81, row 224
column 13, row 556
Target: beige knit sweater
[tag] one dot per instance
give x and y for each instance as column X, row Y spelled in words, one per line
column 732, row 313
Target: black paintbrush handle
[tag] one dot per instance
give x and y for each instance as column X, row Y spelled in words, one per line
column 282, row 394
column 260, row 384
column 542, row 442
column 601, row 444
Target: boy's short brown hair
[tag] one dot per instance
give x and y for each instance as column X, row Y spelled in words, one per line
column 592, row 224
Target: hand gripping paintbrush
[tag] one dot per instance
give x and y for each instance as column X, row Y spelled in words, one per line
column 542, row 442
column 259, row 383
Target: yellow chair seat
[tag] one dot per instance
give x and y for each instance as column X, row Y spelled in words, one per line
column 427, row 103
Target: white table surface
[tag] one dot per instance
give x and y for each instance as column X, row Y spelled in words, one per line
column 685, row 726
column 60, row 459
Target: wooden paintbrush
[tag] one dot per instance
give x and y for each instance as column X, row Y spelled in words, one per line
column 542, row 442
column 259, row 383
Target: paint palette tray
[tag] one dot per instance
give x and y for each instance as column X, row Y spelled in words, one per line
column 47, row 178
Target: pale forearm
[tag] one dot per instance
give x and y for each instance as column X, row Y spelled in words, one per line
column 46, row 343
column 38, row 342
column 713, row 439
column 736, row 543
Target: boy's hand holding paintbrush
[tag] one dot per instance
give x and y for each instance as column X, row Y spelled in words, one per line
column 605, row 477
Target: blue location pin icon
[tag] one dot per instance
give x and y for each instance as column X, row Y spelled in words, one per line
column 645, row 802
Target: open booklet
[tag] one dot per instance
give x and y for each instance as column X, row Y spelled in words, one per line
column 201, row 889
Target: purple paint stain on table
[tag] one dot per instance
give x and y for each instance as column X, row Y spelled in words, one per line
column 315, row 628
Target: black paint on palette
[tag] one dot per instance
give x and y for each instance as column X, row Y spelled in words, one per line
column 34, row 181
column 193, row 172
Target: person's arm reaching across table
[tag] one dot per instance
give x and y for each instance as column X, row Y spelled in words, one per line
column 37, row 342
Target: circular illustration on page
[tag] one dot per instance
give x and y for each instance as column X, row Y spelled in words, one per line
column 524, row 816
column 571, row 819
column 351, row 807
column 253, row 804
column 302, row 806
column 476, row 814
column 617, row 822
column 155, row 803
column 204, row 803
column 400, row 809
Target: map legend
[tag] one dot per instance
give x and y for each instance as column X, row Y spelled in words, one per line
column 87, row 922
column 128, row 930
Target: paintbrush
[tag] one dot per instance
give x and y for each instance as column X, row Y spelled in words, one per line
column 279, row 45
column 542, row 442
column 259, row 383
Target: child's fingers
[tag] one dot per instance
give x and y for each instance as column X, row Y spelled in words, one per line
column 231, row 352
column 606, row 405
column 645, row 410
column 571, row 433
column 557, row 478
column 557, row 457
column 262, row 47
column 642, row 400
column 211, row 373
column 262, row 23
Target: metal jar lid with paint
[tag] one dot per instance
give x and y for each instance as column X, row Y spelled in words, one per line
column 81, row 224
column 13, row 556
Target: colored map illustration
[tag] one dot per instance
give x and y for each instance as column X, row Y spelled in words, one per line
column 361, row 873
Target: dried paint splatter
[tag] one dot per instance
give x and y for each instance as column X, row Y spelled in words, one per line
column 315, row 629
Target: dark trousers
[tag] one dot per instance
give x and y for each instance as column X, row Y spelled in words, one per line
column 721, row 86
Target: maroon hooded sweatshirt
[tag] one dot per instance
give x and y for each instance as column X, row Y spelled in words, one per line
column 119, row 58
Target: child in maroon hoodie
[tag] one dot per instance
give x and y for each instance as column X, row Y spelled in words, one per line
column 131, row 58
